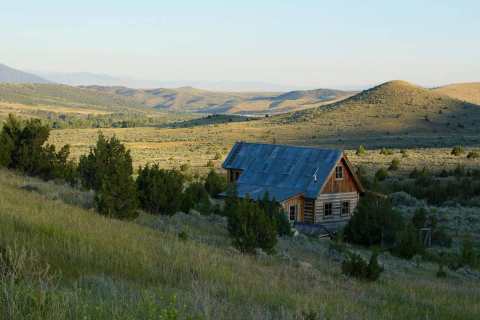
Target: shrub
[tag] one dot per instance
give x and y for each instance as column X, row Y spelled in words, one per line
column 194, row 194
column 183, row 235
column 275, row 211
column 160, row 190
column 250, row 227
column 386, row 152
column 355, row 266
column 404, row 153
column 374, row 222
column 117, row 197
column 108, row 170
column 361, row 151
column 468, row 255
column 458, row 151
column 394, row 165
column 184, row 167
column 473, row 155
column 107, row 158
column 409, row 243
column 23, row 148
column 419, row 218
column 215, row 183
column 381, row 174
column 210, row 164
column 441, row 273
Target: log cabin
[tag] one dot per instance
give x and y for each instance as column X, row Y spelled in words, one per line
column 313, row 185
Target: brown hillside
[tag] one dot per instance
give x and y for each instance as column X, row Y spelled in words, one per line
column 469, row 92
column 395, row 107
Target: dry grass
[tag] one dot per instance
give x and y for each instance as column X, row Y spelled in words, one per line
column 214, row 282
column 469, row 92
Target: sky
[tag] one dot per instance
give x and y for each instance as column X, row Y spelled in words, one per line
column 302, row 43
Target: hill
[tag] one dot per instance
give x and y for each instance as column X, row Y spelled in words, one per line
column 65, row 106
column 395, row 107
column 469, row 92
column 247, row 103
column 11, row 75
column 63, row 262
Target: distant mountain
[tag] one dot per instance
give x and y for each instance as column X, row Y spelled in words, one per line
column 91, row 79
column 197, row 100
column 11, row 75
column 469, row 92
column 83, row 78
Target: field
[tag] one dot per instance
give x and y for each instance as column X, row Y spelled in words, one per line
column 86, row 276
column 197, row 145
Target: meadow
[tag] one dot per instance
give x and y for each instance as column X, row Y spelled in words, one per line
column 69, row 262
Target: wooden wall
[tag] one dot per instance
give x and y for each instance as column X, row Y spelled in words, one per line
column 336, row 191
column 336, row 199
column 347, row 184
column 299, row 201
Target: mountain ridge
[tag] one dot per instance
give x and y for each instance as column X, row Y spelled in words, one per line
column 12, row 75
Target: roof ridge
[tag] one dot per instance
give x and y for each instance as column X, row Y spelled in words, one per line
column 290, row 146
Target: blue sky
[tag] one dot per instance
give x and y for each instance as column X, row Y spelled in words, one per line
column 293, row 43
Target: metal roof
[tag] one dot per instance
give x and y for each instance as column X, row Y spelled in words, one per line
column 281, row 170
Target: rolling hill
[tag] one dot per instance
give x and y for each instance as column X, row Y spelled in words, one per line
column 11, row 75
column 469, row 92
column 395, row 108
column 251, row 103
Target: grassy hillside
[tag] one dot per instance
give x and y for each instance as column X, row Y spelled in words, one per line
column 66, row 106
column 106, row 269
column 62, row 95
column 395, row 107
column 469, row 92
column 196, row 100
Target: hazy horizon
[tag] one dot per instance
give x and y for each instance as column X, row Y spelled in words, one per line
column 297, row 45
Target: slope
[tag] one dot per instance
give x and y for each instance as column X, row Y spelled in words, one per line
column 469, row 92
column 392, row 107
column 11, row 75
column 67, row 262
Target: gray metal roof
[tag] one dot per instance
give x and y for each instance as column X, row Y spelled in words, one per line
column 281, row 170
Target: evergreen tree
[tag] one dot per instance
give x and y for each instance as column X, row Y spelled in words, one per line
column 215, row 183
column 409, row 243
column 374, row 222
column 107, row 158
column 108, row 170
column 160, row 190
column 275, row 211
column 250, row 227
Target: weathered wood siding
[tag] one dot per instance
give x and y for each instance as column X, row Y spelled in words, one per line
column 309, row 211
column 336, row 191
column 299, row 202
column 336, row 199
column 347, row 184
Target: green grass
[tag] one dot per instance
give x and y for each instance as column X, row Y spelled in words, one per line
column 102, row 268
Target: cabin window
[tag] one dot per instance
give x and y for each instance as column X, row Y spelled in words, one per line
column 339, row 172
column 328, row 209
column 237, row 175
column 345, row 208
column 293, row 213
